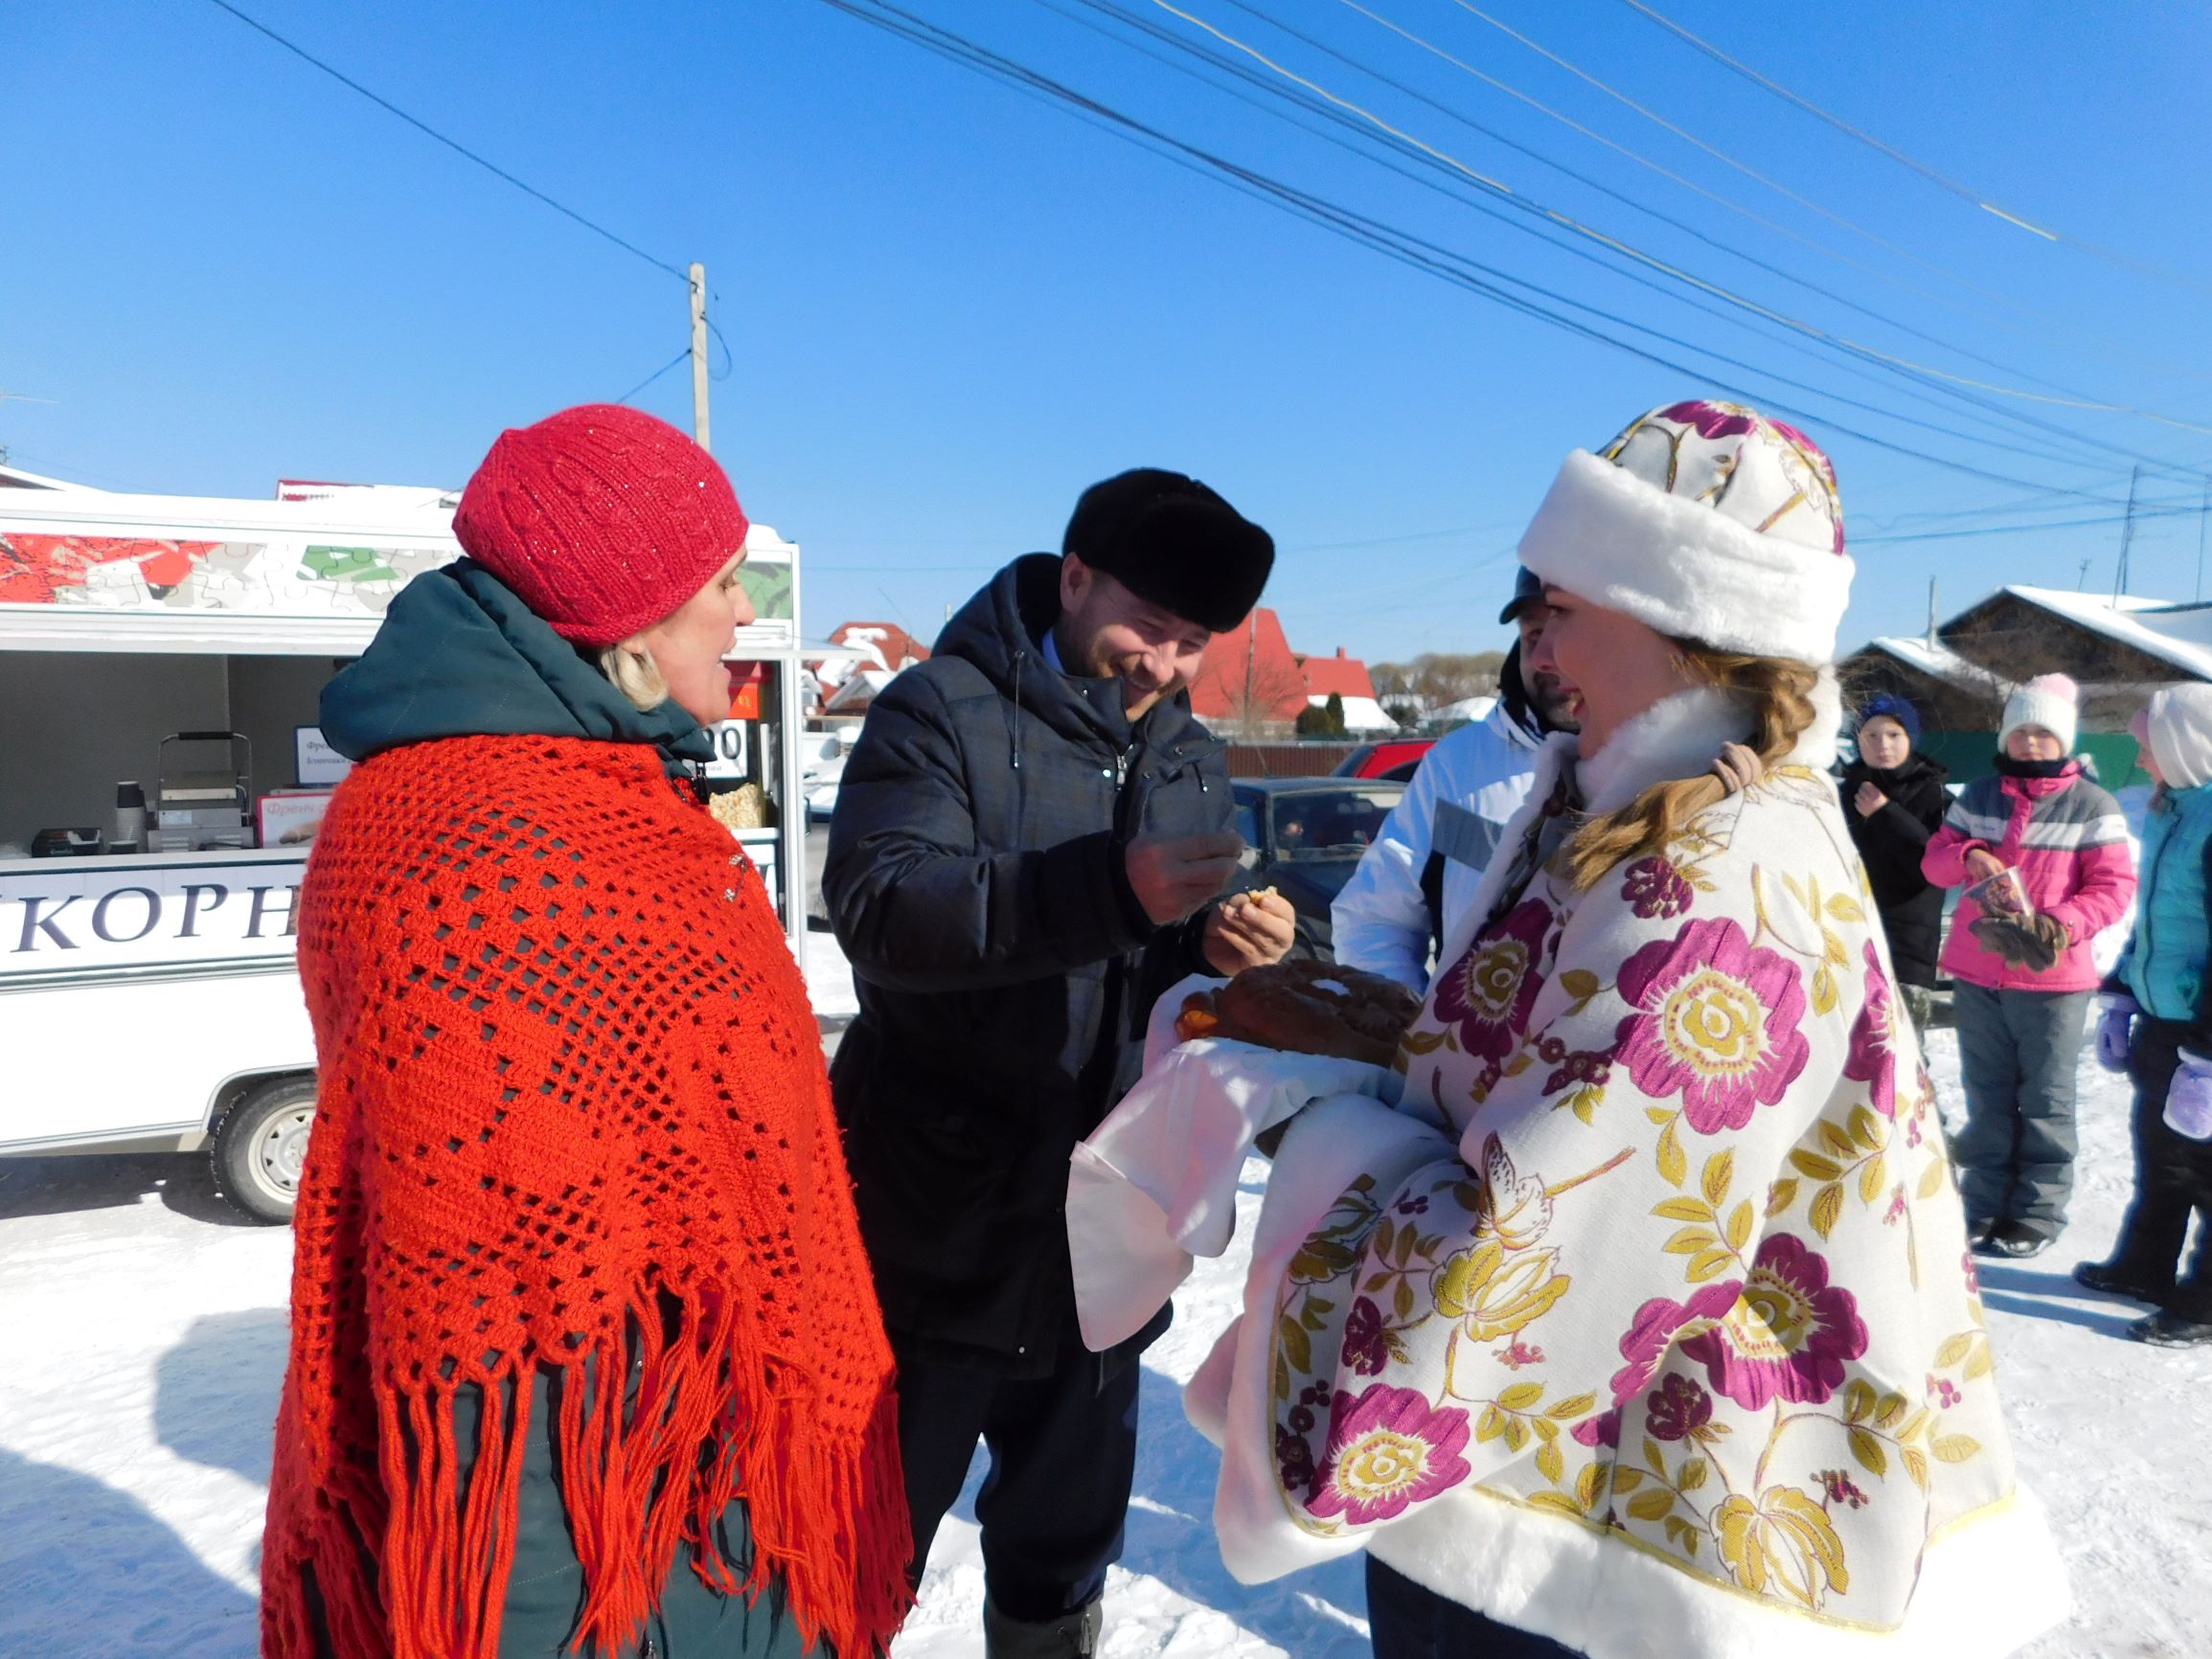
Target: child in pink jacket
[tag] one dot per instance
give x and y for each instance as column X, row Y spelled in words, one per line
column 2023, row 984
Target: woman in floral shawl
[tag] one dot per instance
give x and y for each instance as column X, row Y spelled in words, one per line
column 1642, row 1326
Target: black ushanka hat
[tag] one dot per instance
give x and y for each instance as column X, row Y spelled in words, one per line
column 1173, row 543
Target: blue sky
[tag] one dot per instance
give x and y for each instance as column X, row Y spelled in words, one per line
column 950, row 306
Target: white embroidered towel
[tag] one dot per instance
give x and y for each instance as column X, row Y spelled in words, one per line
column 1155, row 1184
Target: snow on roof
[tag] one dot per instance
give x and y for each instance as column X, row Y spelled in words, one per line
column 1937, row 661
column 1360, row 713
column 1466, row 709
column 2176, row 632
column 886, row 644
column 1346, row 676
column 15, row 478
column 859, row 691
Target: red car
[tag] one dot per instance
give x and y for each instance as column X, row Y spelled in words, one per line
column 1394, row 759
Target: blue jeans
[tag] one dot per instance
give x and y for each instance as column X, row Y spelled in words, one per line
column 1405, row 1620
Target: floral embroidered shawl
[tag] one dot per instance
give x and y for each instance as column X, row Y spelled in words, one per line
column 1697, row 1279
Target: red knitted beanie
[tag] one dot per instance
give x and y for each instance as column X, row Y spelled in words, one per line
column 602, row 517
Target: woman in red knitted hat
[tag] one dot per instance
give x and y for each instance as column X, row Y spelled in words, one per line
column 585, row 1350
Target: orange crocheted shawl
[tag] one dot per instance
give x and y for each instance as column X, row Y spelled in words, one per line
column 572, row 1115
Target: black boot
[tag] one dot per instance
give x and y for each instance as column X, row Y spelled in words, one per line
column 1070, row 1636
column 2015, row 1239
column 2171, row 1330
column 2113, row 1279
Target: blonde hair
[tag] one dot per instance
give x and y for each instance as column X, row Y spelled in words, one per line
column 1777, row 694
column 635, row 675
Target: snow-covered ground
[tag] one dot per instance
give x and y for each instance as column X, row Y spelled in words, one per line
column 141, row 1339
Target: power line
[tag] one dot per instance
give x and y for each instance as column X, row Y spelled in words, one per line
column 1940, row 180
column 1715, row 290
column 1940, row 383
column 1689, row 184
column 2104, row 344
column 1715, row 152
column 454, row 144
column 2072, row 324
column 1614, row 144
column 729, row 358
column 1427, row 157
column 679, row 358
column 1378, row 236
column 2020, row 528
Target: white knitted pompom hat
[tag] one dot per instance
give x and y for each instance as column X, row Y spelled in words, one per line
column 2051, row 701
column 1707, row 522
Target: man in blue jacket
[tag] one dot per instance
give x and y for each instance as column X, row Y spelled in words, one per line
column 1031, row 837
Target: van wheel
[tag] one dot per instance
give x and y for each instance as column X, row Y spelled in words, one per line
column 260, row 1144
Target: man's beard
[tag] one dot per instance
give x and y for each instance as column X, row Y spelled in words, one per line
column 1550, row 703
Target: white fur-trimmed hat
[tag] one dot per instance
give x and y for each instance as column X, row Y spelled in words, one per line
column 1708, row 522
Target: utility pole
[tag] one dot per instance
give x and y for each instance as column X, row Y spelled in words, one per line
column 699, row 285
column 1931, row 612
column 1251, row 656
column 2203, row 513
column 2126, row 533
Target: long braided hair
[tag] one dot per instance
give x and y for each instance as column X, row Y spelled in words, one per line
column 1778, row 695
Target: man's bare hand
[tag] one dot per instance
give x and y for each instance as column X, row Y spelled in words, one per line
column 1869, row 800
column 1739, row 768
column 1249, row 930
column 1173, row 875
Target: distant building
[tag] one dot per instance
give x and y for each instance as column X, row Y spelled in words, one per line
column 2115, row 649
column 871, row 653
column 1249, row 684
column 1348, row 678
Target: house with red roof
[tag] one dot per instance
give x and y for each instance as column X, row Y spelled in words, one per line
column 873, row 653
column 1347, row 677
column 1248, row 683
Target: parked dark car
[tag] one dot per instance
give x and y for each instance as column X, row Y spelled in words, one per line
column 1304, row 837
column 1395, row 759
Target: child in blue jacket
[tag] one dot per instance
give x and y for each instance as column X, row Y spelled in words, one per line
column 2158, row 1027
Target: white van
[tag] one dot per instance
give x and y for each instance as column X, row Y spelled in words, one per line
column 148, row 998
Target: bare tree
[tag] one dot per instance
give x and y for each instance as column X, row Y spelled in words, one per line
column 1435, row 680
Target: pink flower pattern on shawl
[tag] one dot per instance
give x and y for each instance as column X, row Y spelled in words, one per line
column 1716, row 1021
column 1873, row 1057
column 1788, row 1334
column 1489, row 990
column 1387, row 1450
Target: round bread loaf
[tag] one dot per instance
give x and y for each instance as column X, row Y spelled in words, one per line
column 1307, row 1008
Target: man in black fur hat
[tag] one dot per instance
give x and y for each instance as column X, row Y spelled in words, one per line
column 1031, row 842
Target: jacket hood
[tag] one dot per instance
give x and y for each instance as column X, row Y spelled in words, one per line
column 2179, row 720
column 459, row 655
column 1002, row 631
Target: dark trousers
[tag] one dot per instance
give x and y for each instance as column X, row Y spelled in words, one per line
column 2173, row 1176
column 1405, row 1620
column 2017, row 1050
column 545, row 1584
column 1064, row 1450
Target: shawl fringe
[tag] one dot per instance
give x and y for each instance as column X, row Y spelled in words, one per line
column 417, row 1567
